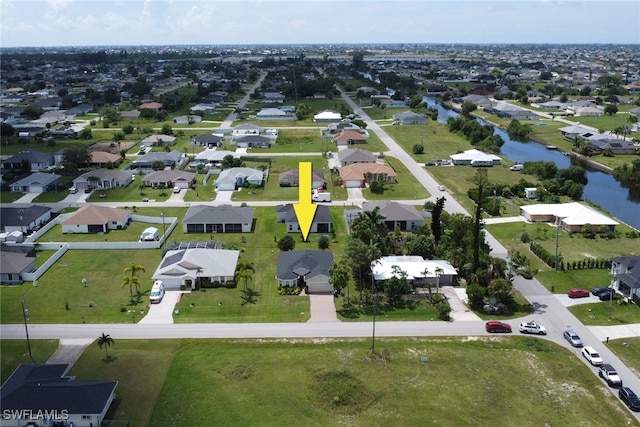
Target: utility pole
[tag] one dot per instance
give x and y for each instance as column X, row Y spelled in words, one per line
column 26, row 329
column 557, row 242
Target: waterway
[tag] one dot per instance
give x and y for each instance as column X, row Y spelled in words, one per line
column 602, row 189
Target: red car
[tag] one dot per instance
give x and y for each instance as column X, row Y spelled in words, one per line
column 578, row 293
column 496, row 326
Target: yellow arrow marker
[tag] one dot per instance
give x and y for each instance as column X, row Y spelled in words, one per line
column 305, row 209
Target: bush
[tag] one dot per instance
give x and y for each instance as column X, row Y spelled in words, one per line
column 289, row 290
column 418, row 149
column 230, row 284
column 376, row 187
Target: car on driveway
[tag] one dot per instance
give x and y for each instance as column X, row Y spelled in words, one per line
column 598, row 290
column 578, row 293
column 607, row 295
column 572, row 337
column 532, row 328
column 610, row 375
column 497, row 326
column 592, row 356
column 629, row 398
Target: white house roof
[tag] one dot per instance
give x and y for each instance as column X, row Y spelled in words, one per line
column 327, row 115
column 474, row 155
column 570, row 213
column 197, row 261
column 216, row 155
column 415, row 266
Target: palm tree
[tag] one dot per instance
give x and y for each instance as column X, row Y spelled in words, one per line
column 130, row 281
column 105, row 341
column 244, row 271
column 133, row 270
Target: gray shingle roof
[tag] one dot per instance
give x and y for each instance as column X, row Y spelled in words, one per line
column 224, row 214
column 308, row 263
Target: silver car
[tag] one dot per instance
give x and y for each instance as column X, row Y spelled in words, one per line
column 572, row 337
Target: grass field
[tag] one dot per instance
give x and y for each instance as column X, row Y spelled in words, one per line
column 340, row 382
column 15, row 352
column 628, row 350
column 598, row 313
column 406, row 187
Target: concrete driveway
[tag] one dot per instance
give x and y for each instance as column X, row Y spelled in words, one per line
column 568, row 302
column 163, row 311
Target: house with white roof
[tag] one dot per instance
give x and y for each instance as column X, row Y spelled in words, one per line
column 475, row 157
column 327, row 116
column 232, row 179
column 418, row 270
column 192, row 266
column 572, row 217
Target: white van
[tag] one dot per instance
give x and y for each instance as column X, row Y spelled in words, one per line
column 157, row 292
column 516, row 167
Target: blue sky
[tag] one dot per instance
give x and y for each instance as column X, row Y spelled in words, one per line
column 168, row 22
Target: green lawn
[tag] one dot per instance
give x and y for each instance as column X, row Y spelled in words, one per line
column 628, row 350
column 339, row 382
column 562, row 281
column 406, row 187
column 15, row 352
column 130, row 234
column 598, row 313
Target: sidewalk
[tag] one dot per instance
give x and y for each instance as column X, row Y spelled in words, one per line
column 615, row 332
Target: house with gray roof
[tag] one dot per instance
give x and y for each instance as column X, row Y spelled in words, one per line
column 625, row 272
column 218, row 219
column 46, row 389
column 291, row 178
column 23, row 218
column 159, row 140
column 397, row 215
column 38, row 182
column 321, row 221
column 171, row 160
column 193, row 266
column 273, row 97
column 37, row 160
column 169, row 179
column 478, row 100
column 14, row 264
column 513, row 112
column 207, row 140
column 234, row 178
column 350, row 156
column 103, row 178
column 275, row 114
column 254, row 141
column 410, row 118
column 306, row 269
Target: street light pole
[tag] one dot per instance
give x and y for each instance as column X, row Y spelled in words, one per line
column 26, row 330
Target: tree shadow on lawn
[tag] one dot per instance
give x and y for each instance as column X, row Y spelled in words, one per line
column 138, row 298
column 249, row 296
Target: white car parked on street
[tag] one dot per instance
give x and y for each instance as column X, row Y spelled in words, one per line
column 592, row 356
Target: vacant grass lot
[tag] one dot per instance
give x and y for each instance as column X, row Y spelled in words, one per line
column 628, row 350
column 406, row 187
column 598, row 313
column 331, row 382
column 130, row 234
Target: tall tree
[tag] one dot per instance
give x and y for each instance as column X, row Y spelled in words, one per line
column 396, row 286
column 481, row 179
column 133, row 269
column 339, row 273
column 245, row 272
column 105, row 341
column 436, row 219
column 130, row 281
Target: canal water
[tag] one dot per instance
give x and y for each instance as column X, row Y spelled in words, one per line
column 602, row 189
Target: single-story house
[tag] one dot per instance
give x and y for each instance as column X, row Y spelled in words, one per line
column 617, row 146
column 478, row 100
column 350, row 156
column 207, row 108
column 275, row 114
column 34, row 389
column 513, row 112
column 572, row 217
column 589, row 112
column 349, row 137
column 218, row 219
column 357, row 175
column 410, row 118
column 131, row 114
column 625, row 272
column 334, row 128
column 418, row 270
column 103, row 178
column 96, row 219
column 577, row 131
column 291, row 178
column 102, row 158
column 187, row 120
column 170, row 160
column 393, row 103
column 37, row 160
column 159, row 140
column 257, row 141
column 23, row 219
column 208, row 140
column 470, row 157
column 234, row 178
column 273, row 97
column 327, row 116
column 306, row 269
column 321, row 221
column 397, row 215
column 192, row 266
column 246, row 129
column 37, row 182
column 215, row 156
column 170, row 179
column 14, row 264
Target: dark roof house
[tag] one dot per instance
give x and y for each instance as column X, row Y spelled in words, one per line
column 307, row 269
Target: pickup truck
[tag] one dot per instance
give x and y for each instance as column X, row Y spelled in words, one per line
column 609, row 374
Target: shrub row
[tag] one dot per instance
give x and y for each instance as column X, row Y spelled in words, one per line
column 289, row 290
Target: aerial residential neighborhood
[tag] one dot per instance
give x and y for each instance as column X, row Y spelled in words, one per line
column 473, row 206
